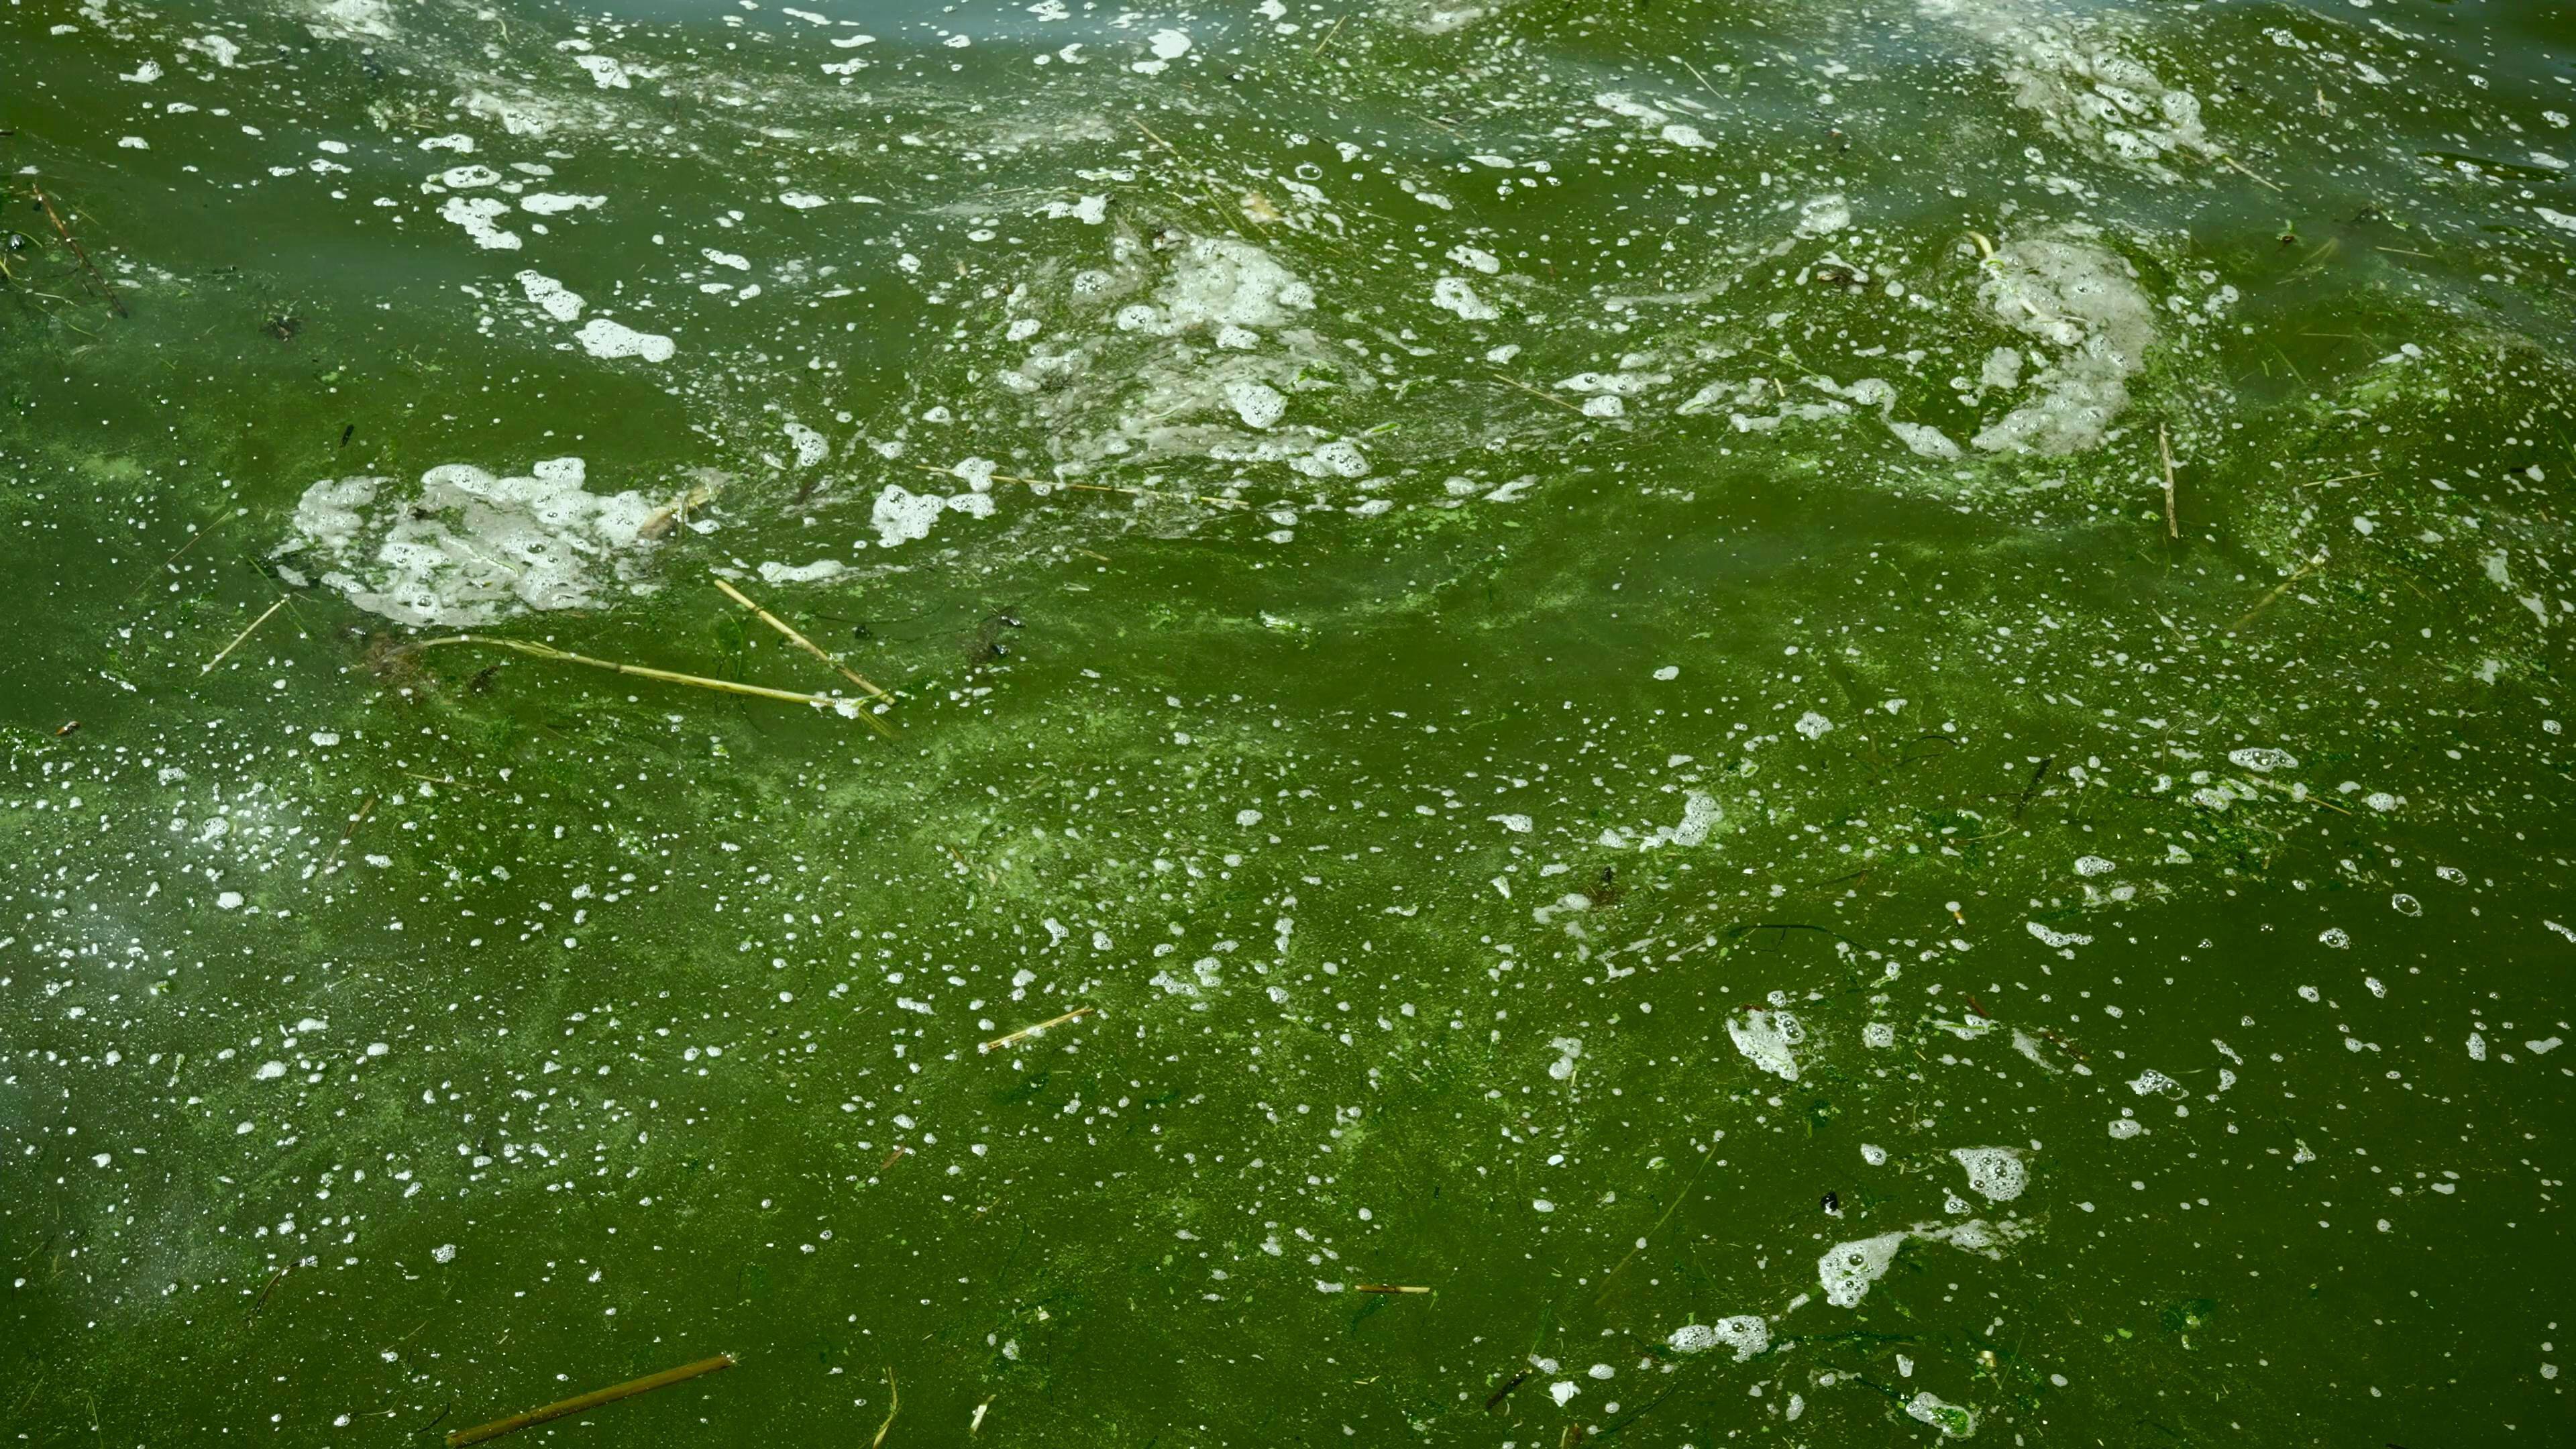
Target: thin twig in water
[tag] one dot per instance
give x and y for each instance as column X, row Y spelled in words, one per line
column 1678, row 1198
column 1703, row 80
column 1498, row 1395
column 332, row 862
column 273, row 1280
column 113, row 301
column 209, row 666
column 1537, row 393
column 194, row 539
column 1102, row 488
column 2165, row 446
column 1388, row 1288
column 2062, row 1044
column 2239, row 165
column 2038, row 773
column 2278, row 590
column 1747, row 928
column 894, row 1402
column 667, row 676
column 1024, row 1033
column 1329, row 34
column 2301, row 796
column 810, row 647
column 564, row 1408
column 1206, row 184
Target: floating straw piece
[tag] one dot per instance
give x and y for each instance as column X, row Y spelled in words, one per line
column 1546, row 397
column 592, row 1400
column 894, row 1403
column 2239, row 165
column 667, row 676
column 2303, row 570
column 114, row 302
column 2165, row 445
column 1024, row 1033
column 209, row 666
column 332, row 862
column 810, row 647
column 1205, row 184
column 1388, row 1288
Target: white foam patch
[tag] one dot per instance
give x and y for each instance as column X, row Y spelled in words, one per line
column 601, row 337
column 1202, row 349
column 1339, row 458
column 1847, row 1270
column 466, row 548
column 605, row 72
column 1926, row 440
column 1089, row 210
column 1257, row 403
column 475, row 214
column 812, row 573
column 1954, row 1421
column 552, row 297
column 556, row 203
column 1824, row 215
column 350, row 19
column 1700, row 815
column 1766, row 1039
column 1746, row 1333
column 1476, row 257
column 520, row 115
column 2263, row 758
column 811, row 446
column 1453, row 294
column 1220, row 281
column 1620, row 103
column 901, row 515
column 2084, row 88
column 1995, row 1173
column 2083, row 301
column 1568, row 1050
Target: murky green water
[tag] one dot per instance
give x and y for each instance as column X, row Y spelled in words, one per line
column 1564, row 624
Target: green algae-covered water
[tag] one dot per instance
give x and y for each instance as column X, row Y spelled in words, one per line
column 1841, row 720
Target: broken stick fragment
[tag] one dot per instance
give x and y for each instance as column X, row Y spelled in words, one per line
column 810, row 647
column 1024, row 1033
column 565, row 1407
column 209, row 666
column 667, row 676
